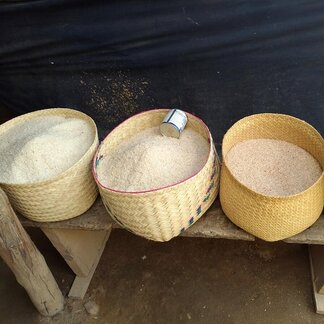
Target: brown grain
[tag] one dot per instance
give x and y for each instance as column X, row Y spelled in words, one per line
column 273, row 167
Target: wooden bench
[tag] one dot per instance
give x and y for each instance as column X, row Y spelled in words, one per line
column 82, row 240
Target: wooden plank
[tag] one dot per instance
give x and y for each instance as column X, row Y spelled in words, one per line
column 81, row 284
column 215, row 224
column 318, row 298
column 316, row 253
column 319, row 303
column 79, row 248
column 312, row 235
column 27, row 263
column 96, row 219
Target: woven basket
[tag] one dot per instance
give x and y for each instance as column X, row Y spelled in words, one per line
column 272, row 218
column 62, row 197
column 163, row 213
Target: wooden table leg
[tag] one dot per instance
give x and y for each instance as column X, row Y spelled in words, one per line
column 27, row 263
column 316, row 257
column 82, row 250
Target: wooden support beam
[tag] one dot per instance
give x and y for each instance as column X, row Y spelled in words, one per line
column 81, row 249
column 27, row 263
column 81, row 284
column 316, row 258
column 317, row 261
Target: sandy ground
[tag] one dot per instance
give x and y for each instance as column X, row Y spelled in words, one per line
column 185, row 280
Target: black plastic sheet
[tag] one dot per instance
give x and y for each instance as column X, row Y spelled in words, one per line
column 221, row 60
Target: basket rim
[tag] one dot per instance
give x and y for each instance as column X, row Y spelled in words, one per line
column 101, row 186
column 63, row 174
column 263, row 196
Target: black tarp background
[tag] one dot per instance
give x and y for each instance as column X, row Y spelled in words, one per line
column 221, row 60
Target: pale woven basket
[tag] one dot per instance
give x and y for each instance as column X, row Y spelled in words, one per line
column 272, row 218
column 163, row 213
column 68, row 195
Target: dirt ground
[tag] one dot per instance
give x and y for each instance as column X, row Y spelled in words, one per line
column 185, row 280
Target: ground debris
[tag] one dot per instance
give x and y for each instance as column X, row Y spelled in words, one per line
column 91, row 307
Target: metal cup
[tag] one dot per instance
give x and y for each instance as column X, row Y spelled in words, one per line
column 174, row 123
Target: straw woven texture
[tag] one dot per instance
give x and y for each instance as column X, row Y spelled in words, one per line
column 65, row 196
column 272, row 218
column 160, row 214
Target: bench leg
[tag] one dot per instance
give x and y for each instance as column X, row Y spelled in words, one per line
column 27, row 263
column 82, row 250
column 316, row 257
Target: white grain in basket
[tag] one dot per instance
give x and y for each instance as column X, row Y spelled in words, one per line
column 42, row 148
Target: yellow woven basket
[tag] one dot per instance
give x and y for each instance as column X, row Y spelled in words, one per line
column 272, row 218
column 163, row 213
column 68, row 195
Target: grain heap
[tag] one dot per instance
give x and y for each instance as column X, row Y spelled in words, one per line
column 42, row 148
column 149, row 160
column 273, row 167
